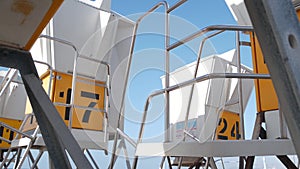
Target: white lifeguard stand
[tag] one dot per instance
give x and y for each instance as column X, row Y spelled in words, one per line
column 214, row 112
column 212, row 99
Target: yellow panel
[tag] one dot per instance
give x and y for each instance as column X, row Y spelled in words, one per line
column 266, row 98
column 7, row 133
column 31, row 123
column 228, row 127
column 45, row 79
column 88, row 94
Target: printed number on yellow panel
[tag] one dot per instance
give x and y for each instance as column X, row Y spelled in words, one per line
column 83, row 94
column 228, row 127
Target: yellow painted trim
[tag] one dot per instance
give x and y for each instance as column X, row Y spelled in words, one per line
column 52, row 10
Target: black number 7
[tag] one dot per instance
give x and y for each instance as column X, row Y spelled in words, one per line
column 87, row 113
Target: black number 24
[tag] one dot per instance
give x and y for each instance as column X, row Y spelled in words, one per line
column 234, row 132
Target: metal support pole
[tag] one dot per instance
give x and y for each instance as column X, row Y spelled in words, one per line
column 91, row 158
column 56, row 135
column 169, row 162
column 278, row 32
column 167, row 78
column 27, row 150
column 19, row 152
column 286, row 161
column 241, row 114
column 162, row 162
column 167, row 41
column 121, row 113
column 37, row 159
column 255, row 136
column 240, row 86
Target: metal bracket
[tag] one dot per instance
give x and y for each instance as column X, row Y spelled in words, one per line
column 56, row 135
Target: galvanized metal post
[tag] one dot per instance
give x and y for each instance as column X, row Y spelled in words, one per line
column 167, row 74
column 278, row 31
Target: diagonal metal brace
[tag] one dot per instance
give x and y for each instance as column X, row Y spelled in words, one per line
column 278, row 32
column 56, row 135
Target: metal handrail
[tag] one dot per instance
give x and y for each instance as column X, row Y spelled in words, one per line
column 20, row 82
column 98, row 61
column 207, row 77
column 74, row 71
column 128, row 66
column 200, row 79
column 190, row 82
column 176, row 5
column 125, row 136
column 79, row 107
column 193, row 85
column 208, row 29
column 72, row 104
column 17, row 135
column 16, row 130
column 2, row 83
column 195, row 73
column 221, row 29
column 4, row 78
column 60, row 41
column 51, row 72
column 6, row 81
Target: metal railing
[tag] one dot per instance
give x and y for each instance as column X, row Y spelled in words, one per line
column 50, row 68
column 74, row 79
column 219, row 29
column 132, row 45
column 18, row 133
column 190, row 82
column 71, row 105
column 167, row 68
column 7, row 79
